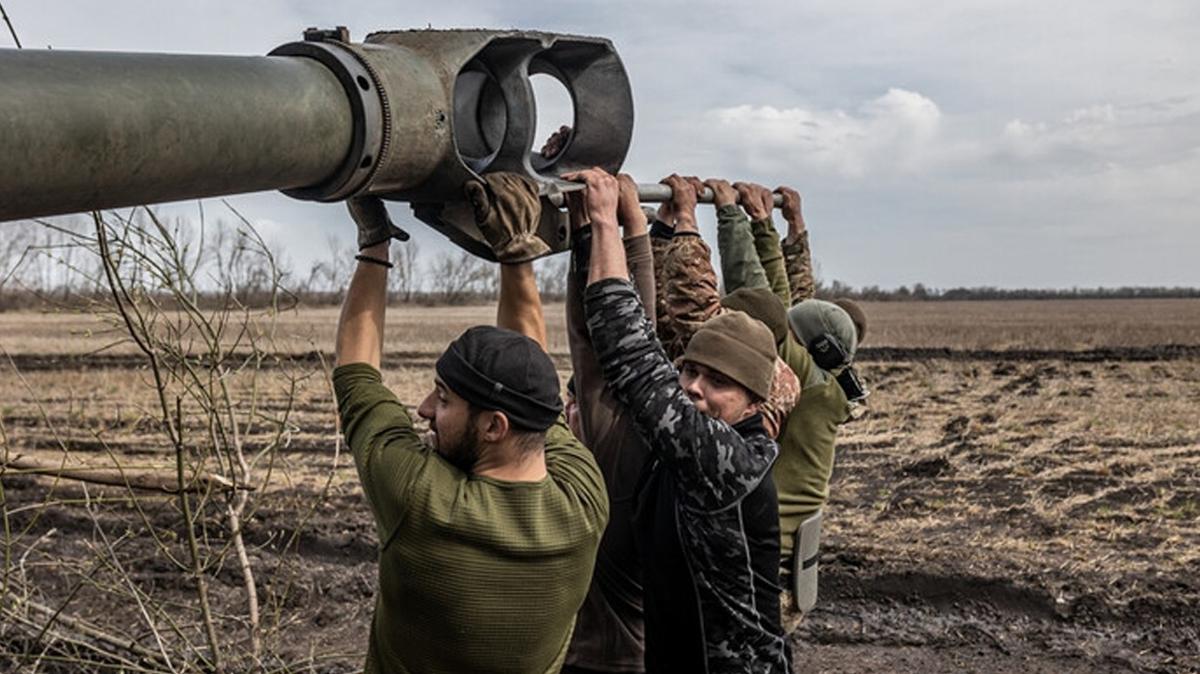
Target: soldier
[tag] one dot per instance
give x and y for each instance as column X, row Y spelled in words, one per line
column 807, row 443
column 609, row 632
column 690, row 296
column 707, row 520
column 487, row 535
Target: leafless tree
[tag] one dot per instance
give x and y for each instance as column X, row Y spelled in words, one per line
column 551, row 274
column 455, row 278
column 209, row 365
column 330, row 276
column 404, row 277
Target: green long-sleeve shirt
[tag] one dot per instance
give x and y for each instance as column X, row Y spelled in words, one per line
column 740, row 265
column 475, row 574
column 770, row 255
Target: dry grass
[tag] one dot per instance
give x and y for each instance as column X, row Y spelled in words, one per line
column 409, row 329
column 1048, row 324
column 1081, row 480
column 1030, row 324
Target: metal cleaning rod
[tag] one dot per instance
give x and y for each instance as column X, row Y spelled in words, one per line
column 656, row 193
column 648, row 193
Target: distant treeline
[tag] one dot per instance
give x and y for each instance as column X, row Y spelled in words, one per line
column 58, row 266
column 919, row 293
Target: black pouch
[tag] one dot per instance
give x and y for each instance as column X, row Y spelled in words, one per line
column 827, row 352
column 852, row 384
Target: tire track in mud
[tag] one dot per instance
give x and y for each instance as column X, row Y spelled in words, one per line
column 870, row 603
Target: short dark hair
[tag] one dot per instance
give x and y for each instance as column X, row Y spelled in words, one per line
column 528, row 440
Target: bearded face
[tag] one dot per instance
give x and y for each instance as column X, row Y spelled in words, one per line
column 453, row 425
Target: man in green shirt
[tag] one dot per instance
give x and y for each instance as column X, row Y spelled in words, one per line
column 488, row 534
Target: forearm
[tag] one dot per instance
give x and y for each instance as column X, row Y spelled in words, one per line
column 770, row 255
column 520, row 307
column 589, row 381
column 799, row 268
column 691, row 295
column 640, row 258
column 608, row 254
column 603, row 426
column 360, row 326
column 740, row 265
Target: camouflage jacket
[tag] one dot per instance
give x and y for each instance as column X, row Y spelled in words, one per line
column 798, row 258
column 660, row 241
column 705, row 505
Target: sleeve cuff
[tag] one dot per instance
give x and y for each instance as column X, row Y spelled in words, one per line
column 661, row 230
column 346, row 377
column 728, row 212
column 609, row 285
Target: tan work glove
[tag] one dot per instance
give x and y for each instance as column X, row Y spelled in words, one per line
column 507, row 211
column 374, row 225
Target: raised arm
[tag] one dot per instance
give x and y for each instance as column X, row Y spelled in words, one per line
column 758, row 203
column 603, row 426
column 520, row 306
column 360, row 327
column 377, row 427
column 507, row 210
column 740, row 267
column 691, row 293
column 636, row 237
column 796, row 252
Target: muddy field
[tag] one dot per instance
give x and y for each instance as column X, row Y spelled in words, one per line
column 1021, row 494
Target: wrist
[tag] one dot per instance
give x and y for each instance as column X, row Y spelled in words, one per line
column 604, row 225
column 685, row 223
column 379, row 250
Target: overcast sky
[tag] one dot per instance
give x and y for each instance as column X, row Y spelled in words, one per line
column 1015, row 143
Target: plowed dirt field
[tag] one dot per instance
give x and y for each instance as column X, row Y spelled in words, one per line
column 1020, row 494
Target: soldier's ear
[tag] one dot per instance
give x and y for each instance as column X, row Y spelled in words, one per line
column 496, row 426
column 754, row 408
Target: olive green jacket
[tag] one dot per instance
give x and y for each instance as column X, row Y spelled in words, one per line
column 806, row 443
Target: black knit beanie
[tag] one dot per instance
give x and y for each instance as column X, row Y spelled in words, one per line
column 497, row 369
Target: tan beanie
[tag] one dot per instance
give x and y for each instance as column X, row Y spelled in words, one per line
column 762, row 304
column 857, row 315
column 738, row 347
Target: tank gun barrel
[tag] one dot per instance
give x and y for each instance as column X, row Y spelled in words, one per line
column 404, row 115
column 93, row 130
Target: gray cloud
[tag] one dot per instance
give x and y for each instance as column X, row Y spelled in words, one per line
column 1015, row 143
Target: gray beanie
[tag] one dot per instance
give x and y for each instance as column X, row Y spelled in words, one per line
column 812, row 318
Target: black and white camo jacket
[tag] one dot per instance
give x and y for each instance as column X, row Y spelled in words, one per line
column 723, row 503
